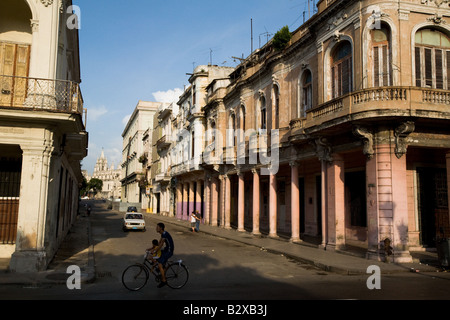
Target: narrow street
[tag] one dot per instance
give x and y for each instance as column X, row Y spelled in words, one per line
column 222, row 270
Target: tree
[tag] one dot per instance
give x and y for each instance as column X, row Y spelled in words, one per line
column 84, row 187
column 281, row 38
column 96, row 185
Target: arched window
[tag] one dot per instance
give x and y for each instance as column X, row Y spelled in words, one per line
column 262, row 107
column 242, row 117
column 306, row 93
column 341, row 69
column 432, row 55
column 382, row 59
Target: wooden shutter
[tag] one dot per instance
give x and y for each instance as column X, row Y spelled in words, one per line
column 376, row 67
column 428, row 68
column 7, row 70
column 439, row 69
column 14, row 66
column 386, row 64
column 21, row 74
column 346, row 76
column 448, row 70
column 333, row 83
column 418, row 68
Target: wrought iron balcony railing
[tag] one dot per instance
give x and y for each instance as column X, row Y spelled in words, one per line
column 40, row 94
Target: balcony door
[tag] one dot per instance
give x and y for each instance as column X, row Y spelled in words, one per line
column 14, row 66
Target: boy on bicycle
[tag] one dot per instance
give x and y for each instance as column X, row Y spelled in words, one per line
column 166, row 252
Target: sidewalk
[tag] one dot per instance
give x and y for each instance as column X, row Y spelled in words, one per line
column 77, row 249
column 332, row 261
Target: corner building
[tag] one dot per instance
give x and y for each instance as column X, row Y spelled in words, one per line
column 42, row 134
column 360, row 98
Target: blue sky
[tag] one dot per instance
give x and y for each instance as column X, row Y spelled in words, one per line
column 142, row 49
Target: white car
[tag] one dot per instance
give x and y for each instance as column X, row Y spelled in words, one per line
column 133, row 221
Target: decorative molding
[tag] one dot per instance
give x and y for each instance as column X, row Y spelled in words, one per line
column 34, row 25
column 437, row 19
column 401, row 133
column 438, row 3
column 367, row 137
column 47, row 3
column 323, row 149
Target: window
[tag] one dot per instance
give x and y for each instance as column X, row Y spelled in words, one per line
column 306, row 93
column 262, row 102
column 341, row 70
column 382, row 59
column 242, row 118
column 432, row 55
column 276, row 98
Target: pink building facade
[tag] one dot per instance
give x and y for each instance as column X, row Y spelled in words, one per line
column 360, row 98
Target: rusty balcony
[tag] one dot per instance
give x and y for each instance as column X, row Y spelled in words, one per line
column 40, row 94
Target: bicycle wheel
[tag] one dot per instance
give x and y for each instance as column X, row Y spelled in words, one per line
column 135, row 277
column 177, row 275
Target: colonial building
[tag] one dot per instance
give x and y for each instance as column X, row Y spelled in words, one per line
column 340, row 135
column 189, row 129
column 133, row 148
column 42, row 134
column 161, row 168
column 110, row 177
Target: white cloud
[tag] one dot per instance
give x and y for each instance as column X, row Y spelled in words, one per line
column 168, row 96
column 95, row 113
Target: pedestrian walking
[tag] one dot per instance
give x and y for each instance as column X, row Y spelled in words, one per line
column 197, row 223
column 193, row 221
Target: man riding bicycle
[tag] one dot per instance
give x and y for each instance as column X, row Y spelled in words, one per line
column 166, row 252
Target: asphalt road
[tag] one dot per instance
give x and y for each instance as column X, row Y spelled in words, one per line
column 222, row 270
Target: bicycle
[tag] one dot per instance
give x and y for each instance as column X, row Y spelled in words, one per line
column 136, row 276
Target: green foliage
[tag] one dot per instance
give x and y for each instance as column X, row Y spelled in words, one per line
column 281, row 38
column 96, row 185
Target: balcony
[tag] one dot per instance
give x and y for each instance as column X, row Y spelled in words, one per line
column 40, row 94
column 163, row 143
column 373, row 103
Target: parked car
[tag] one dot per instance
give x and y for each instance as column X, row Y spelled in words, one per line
column 132, row 209
column 133, row 221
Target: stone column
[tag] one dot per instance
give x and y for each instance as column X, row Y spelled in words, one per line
column 179, row 212
column 227, row 204
column 241, row 202
column 295, row 203
column 323, row 201
column 207, row 202
column 372, row 208
column 198, row 197
column 191, row 205
column 335, row 202
column 30, row 254
column 400, row 209
column 214, row 201
column 222, row 201
column 273, row 205
column 255, row 202
column 185, row 201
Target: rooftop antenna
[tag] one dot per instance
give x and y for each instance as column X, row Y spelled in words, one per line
column 309, row 10
column 251, row 30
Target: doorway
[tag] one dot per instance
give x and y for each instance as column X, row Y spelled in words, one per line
column 432, row 204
